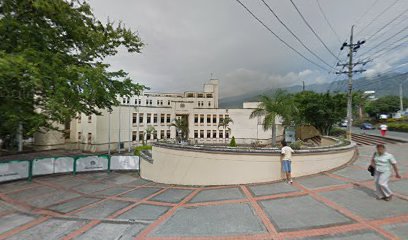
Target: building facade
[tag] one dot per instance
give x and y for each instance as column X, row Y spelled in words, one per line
column 132, row 122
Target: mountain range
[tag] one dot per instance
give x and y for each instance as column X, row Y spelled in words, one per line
column 388, row 84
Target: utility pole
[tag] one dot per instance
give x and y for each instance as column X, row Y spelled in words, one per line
column 109, row 131
column 303, row 85
column 401, row 99
column 353, row 47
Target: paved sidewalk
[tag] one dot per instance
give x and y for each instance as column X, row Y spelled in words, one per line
column 391, row 134
column 338, row 205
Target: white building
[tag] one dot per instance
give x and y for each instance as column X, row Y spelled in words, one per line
column 127, row 123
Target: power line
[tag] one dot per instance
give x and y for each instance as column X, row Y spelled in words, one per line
column 311, row 28
column 365, row 13
column 327, row 21
column 294, row 35
column 403, row 20
column 391, row 49
column 387, row 24
column 392, row 36
column 376, row 17
column 279, row 38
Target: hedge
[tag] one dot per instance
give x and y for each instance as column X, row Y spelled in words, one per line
column 138, row 149
column 400, row 127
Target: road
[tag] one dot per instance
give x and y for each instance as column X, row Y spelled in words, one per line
column 376, row 132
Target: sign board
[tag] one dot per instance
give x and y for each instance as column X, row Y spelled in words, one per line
column 13, row 170
column 125, row 162
column 63, row 164
column 290, row 135
column 43, row 166
column 91, row 163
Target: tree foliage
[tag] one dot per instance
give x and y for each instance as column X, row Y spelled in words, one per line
column 384, row 105
column 270, row 107
column 52, row 58
column 322, row 110
column 181, row 125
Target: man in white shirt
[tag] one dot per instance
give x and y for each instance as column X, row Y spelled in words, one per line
column 286, row 157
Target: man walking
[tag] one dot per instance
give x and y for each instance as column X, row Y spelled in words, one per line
column 286, row 158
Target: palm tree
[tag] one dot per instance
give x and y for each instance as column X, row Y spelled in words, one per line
column 224, row 123
column 181, row 126
column 280, row 104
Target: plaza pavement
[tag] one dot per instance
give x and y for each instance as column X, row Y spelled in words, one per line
column 336, row 205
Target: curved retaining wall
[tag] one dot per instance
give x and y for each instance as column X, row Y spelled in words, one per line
column 192, row 165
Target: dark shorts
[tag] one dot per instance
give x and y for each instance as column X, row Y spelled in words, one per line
column 286, row 166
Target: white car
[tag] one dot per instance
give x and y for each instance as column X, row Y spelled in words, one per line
column 383, row 116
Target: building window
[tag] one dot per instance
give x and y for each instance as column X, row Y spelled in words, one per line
column 202, row 119
column 168, row 133
column 154, row 118
column 79, row 136
column 140, row 101
column 157, row 102
column 195, row 118
column 149, row 118
column 168, row 118
column 79, row 118
column 151, row 102
column 155, row 135
column 89, row 137
column 168, row 102
column 200, row 95
column 141, row 118
column 195, row 133
column 208, row 133
column 147, row 102
column 214, row 133
column 135, row 101
column 141, row 136
column 134, row 118
column 134, row 136
column 214, row 119
column 221, row 118
column 90, row 119
column 201, row 133
column 227, row 134
column 190, row 95
column 209, row 104
column 221, row 134
column 161, row 134
column 209, row 119
column 162, row 118
column 209, row 95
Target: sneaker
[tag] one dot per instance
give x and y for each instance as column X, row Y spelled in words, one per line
column 388, row 198
column 380, row 198
column 290, row 181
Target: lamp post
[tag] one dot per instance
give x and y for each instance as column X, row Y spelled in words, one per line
column 109, row 131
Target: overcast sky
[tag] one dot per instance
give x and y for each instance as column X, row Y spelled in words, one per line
column 187, row 40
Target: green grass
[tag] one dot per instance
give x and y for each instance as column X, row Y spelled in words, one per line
column 138, row 149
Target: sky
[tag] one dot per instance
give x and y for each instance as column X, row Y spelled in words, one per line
column 188, row 41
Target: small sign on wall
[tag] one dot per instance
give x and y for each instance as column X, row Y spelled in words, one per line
column 13, row 170
column 91, row 163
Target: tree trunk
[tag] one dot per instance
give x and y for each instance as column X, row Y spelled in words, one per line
column 273, row 134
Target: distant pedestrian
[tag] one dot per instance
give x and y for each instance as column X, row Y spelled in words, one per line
column 383, row 129
column 286, row 158
column 382, row 162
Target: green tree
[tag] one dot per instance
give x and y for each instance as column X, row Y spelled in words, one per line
column 321, row 110
column 224, row 124
column 52, row 63
column 384, row 105
column 149, row 131
column 181, row 125
column 270, row 107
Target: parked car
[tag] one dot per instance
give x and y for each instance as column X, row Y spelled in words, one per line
column 343, row 123
column 367, row 126
column 383, row 116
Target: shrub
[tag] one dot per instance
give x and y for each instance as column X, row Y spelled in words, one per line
column 337, row 132
column 138, row 149
column 296, row 145
column 398, row 126
column 233, row 143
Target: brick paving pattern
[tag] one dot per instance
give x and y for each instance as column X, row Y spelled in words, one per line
column 332, row 205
